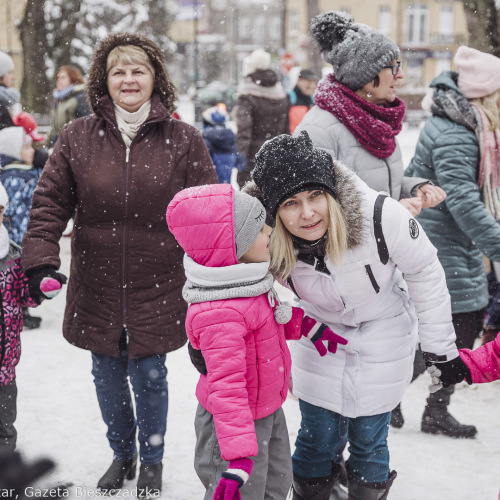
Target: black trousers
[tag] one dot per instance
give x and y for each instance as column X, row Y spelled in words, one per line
column 468, row 326
column 8, row 413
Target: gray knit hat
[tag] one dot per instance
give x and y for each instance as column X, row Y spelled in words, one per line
column 249, row 217
column 6, row 64
column 356, row 51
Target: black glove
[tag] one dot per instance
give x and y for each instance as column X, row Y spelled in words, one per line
column 452, row 372
column 17, row 475
column 197, row 359
column 35, row 278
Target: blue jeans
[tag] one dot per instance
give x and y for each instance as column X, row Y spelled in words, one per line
column 320, row 434
column 148, row 377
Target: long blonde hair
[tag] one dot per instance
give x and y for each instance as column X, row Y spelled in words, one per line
column 488, row 105
column 283, row 255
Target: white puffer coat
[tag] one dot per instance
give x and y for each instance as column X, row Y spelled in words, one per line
column 369, row 375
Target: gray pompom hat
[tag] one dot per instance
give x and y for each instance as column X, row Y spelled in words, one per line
column 356, row 51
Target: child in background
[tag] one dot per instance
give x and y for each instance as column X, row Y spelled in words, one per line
column 19, row 178
column 235, row 318
column 221, row 143
column 15, row 294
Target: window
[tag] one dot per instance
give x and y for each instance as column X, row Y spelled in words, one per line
column 417, row 17
column 384, row 19
column 294, row 20
column 259, row 31
column 275, row 27
column 244, row 26
column 446, row 20
column 442, row 65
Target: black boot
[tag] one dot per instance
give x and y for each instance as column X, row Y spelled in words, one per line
column 315, row 488
column 119, row 470
column 361, row 490
column 149, row 482
column 397, row 419
column 437, row 420
column 30, row 322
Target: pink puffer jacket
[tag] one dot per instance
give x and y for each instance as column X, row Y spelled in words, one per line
column 484, row 362
column 245, row 350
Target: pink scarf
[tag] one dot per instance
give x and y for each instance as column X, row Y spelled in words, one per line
column 489, row 163
column 374, row 127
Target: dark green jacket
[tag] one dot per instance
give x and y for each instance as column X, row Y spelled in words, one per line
column 447, row 153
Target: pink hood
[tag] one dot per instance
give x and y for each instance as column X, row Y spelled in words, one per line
column 201, row 219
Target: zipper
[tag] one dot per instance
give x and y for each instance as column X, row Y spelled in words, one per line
column 372, row 278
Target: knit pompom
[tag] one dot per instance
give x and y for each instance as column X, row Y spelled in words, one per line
column 330, row 28
column 283, row 313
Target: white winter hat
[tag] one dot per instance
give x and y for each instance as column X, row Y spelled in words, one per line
column 4, row 197
column 12, row 140
column 478, row 72
column 259, row 59
column 6, row 64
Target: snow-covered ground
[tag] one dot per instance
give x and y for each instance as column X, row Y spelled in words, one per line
column 58, row 417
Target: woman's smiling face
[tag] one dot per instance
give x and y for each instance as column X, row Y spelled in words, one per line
column 306, row 214
column 130, row 85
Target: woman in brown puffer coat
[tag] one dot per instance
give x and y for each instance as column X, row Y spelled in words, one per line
column 119, row 169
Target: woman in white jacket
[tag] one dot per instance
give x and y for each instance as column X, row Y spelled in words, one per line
column 343, row 249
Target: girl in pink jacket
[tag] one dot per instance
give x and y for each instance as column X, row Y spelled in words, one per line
column 238, row 323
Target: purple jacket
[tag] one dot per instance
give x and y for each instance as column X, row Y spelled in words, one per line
column 484, row 362
column 15, row 295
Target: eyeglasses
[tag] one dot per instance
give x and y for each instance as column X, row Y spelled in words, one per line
column 395, row 67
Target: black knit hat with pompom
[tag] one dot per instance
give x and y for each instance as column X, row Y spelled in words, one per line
column 287, row 165
column 356, row 51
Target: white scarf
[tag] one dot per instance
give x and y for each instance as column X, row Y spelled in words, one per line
column 130, row 123
column 4, row 242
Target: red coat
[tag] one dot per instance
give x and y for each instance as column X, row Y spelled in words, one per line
column 126, row 266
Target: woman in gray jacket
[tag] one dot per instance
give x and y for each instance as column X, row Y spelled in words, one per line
column 357, row 114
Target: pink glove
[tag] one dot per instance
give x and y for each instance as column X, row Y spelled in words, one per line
column 233, row 479
column 50, row 287
column 318, row 332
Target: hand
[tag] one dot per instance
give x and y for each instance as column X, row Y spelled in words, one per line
column 430, row 195
column 318, row 332
column 41, row 283
column 197, row 359
column 451, row 372
column 233, row 479
column 413, row 205
column 435, row 373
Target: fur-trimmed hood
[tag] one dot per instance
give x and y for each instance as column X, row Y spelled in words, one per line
column 348, row 197
column 97, row 77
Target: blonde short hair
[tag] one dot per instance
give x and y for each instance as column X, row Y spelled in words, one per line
column 129, row 54
column 283, row 255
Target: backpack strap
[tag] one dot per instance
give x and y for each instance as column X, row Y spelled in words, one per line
column 383, row 251
column 290, row 284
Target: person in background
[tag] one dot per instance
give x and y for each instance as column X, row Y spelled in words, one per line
column 221, row 142
column 19, row 178
column 262, row 109
column 70, row 101
column 9, row 96
column 359, row 263
column 458, row 149
column 15, row 294
column 301, row 98
column 115, row 171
